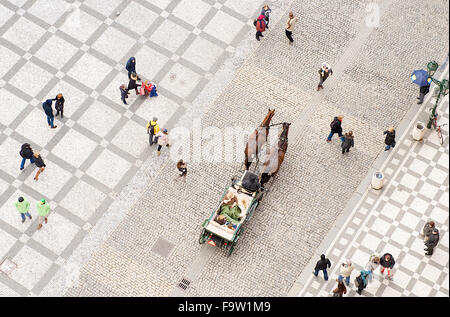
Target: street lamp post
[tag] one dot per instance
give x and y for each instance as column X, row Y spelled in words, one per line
column 443, row 89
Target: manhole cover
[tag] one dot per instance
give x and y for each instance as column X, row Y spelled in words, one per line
column 8, row 266
column 172, row 76
column 184, row 284
column 163, row 247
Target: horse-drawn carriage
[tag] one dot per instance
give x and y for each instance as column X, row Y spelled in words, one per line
column 240, row 200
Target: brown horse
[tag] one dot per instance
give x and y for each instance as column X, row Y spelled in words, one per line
column 257, row 139
column 276, row 156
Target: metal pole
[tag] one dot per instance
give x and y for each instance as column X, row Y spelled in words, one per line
column 433, row 113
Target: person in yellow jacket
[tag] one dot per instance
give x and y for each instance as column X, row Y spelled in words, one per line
column 152, row 130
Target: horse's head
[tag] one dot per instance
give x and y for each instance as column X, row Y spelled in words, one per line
column 268, row 118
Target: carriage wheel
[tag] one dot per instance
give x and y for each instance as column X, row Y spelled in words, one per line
column 203, row 237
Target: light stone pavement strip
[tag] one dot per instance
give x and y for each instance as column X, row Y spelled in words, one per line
column 315, row 181
column 98, row 159
column 389, row 220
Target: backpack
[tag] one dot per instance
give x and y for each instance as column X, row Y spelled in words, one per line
column 333, row 124
column 260, row 25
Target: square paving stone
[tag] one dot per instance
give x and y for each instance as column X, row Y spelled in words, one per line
column 390, row 211
column 439, row 215
column 10, row 158
column 225, row 32
column 7, row 242
column 132, row 131
column 421, row 289
column 51, row 181
column 50, row 10
column 31, row 267
column 149, row 62
column 90, row 71
column 443, row 160
column 5, row 15
column 161, row 107
column 429, row 190
column 410, row 221
column 35, row 127
column 11, row 216
column 3, row 186
column 400, row 236
column 31, row 79
column 401, row 278
column 74, row 148
column 109, row 168
column 438, row 176
column 83, row 199
column 419, row 205
column 56, row 52
column 410, row 262
column 246, row 8
column 170, row 35
column 162, row 4
column 163, row 247
column 57, row 234
column 80, row 25
column 431, row 273
column 105, row 7
column 180, row 80
column 113, row 44
column 24, row 33
column 371, row 242
column 427, row 152
column 203, row 53
column 137, row 18
column 11, row 107
column 9, row 59
column 191, row 11
column 99, row 118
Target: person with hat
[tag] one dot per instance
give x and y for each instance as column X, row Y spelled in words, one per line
column 39, row 163
column 324, row 72
column 23, row 207
column 390, row 139
column 131, row 66
column 43, row 209
column 152, row 129
column 163, row 140
column 432, row 241
column 132, row 83
column 47, row 106
column 59, row 104
column 26, row 152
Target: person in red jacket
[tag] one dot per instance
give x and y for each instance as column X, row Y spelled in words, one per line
column 260, row 25
column 387, row 262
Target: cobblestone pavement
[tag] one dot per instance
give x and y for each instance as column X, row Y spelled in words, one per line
column 155, row 246
column 389, row 220
column 98, row 157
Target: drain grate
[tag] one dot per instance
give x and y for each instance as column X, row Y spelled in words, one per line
column 7, row 266
column 184, row 284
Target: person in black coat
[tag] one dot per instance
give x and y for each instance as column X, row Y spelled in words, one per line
column 26, row 152
column 322, row 265
column 39, row 163
column 59, row 105
column 422, row 92
column 336, row 127
column 132, row 84
column 390, row 138
column 348, row 142
column 387, row 262
column 131, row 66
column 47, row 106
column 432, row 241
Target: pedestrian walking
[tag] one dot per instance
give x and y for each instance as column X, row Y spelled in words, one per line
column 422, row 93
column 348, row 142
column 26, row 152
column 322, row 265
column 39, row 163
column 336, row 127
column 427, row 230
column 324, row 73
column 181, row 166
column 290, row 25
column 59, row 105
column 152, row 130
column 43, row 209
column 131, row 66
column 372, row 265
column 390, row 138
column 260, row 25
column 132, row 83
column 124, row 93
column 163, row 140
column 47, row 106
column 266, row 11
column 23, row 207
column 432, row 241
column 387, row 262
column 340, row 290
column 361, row 281
column 345, row 271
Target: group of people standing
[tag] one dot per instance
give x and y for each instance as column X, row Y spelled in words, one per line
column 42, row 207
column 262, row 23
column 48, row 109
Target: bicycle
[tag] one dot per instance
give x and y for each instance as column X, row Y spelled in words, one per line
column 438, row 128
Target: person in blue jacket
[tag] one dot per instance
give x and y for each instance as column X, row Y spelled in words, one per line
column 131, row 66
column 47, row 106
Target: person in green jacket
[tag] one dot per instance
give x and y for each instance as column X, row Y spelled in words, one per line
column 23, row 207
column 43, row 209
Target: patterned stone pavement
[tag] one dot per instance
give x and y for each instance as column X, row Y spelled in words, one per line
column 155, row 246
column 80, row 48
column 389, row 220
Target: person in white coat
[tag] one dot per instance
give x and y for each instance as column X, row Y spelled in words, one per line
column 372, row 265
column 163, row 140
column 345, row 271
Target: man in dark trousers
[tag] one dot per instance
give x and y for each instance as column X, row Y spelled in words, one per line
column 432, row 242
column 324, row 72
column 336, row 127
column 387, row 262
column 260, row 25
column 26, row 152
column 423, row 91
column 131, row 66
column 322, row 265
column 47, row 106
column 59, row 105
